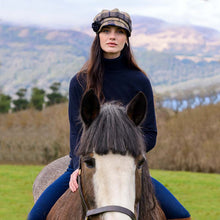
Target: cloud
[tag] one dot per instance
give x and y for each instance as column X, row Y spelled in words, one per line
column 73, row 12
column 197, row 12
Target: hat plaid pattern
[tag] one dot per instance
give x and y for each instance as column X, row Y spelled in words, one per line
column 112, row 17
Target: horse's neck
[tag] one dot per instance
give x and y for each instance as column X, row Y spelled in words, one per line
column 68, row 206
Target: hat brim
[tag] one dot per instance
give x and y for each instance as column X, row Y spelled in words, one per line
column 117, row 23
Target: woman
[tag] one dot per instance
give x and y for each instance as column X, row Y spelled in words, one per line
column 114, row 75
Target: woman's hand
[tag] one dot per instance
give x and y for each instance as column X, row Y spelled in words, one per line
column 73, row 181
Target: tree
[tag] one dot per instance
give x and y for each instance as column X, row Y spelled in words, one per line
column 5, row 101
column 21, row 103
column 37, row 98
column 55, row 87
column 55, row 97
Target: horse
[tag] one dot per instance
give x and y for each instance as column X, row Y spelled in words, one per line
column 114, row 180
column 49, row 174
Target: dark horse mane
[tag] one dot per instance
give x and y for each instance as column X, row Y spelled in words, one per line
column 111, row 130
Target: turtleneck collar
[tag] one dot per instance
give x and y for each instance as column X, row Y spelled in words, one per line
column 116, row 64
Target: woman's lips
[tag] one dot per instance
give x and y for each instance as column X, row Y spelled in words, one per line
column 111, row 44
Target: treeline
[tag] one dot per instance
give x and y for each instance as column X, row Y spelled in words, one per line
column 177, row 101
column 38, row 100
column 187, row 99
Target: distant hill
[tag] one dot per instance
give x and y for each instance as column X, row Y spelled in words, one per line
column 191, row 42
column 170, row 54
column 37, row 57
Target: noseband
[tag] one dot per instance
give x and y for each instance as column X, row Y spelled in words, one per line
column 104, row 209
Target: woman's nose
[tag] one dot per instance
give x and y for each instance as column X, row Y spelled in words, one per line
column 112, row 35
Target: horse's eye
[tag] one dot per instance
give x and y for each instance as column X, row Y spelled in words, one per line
column 90, row 162
column 140, row 163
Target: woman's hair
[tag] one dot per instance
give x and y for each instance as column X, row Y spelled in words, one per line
column 93, row 70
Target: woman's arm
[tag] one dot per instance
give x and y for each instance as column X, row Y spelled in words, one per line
column 75, row 94
column 149, row 126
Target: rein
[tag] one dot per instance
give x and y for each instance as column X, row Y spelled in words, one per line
column 104, row 209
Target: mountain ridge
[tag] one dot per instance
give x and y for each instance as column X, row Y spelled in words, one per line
column 33, row 56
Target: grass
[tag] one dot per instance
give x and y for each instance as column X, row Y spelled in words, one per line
column 16, row 190
column 198, row 192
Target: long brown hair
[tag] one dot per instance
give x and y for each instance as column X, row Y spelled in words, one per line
column 93, row 69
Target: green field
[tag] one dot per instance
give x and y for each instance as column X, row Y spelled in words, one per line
column 198, row 192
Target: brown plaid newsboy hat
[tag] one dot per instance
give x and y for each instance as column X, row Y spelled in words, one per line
column 112, row 17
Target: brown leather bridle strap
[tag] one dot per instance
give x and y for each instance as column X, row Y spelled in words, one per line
column 80, row 187
column 111, row 208
column 97, row 211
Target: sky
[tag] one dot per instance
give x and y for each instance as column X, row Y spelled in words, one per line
column 72, row 13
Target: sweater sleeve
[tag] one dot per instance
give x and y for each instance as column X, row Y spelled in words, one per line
column 149, row 126
column 75, row 94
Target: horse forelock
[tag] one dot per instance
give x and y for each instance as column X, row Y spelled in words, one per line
column 112, row 131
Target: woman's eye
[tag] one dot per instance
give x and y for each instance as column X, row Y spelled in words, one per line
column 90, row 162
column 120, row 31
column 105, row 31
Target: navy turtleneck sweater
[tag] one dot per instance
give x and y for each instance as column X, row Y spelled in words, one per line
column 121, row 84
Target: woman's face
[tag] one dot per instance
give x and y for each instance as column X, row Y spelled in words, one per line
column 112, row 41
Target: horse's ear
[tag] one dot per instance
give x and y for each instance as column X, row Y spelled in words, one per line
column 137, row 108
column 90, row 107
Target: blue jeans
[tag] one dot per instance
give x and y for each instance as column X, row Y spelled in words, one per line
column 170, row 205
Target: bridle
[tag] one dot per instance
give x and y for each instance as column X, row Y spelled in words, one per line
column 104, row 209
